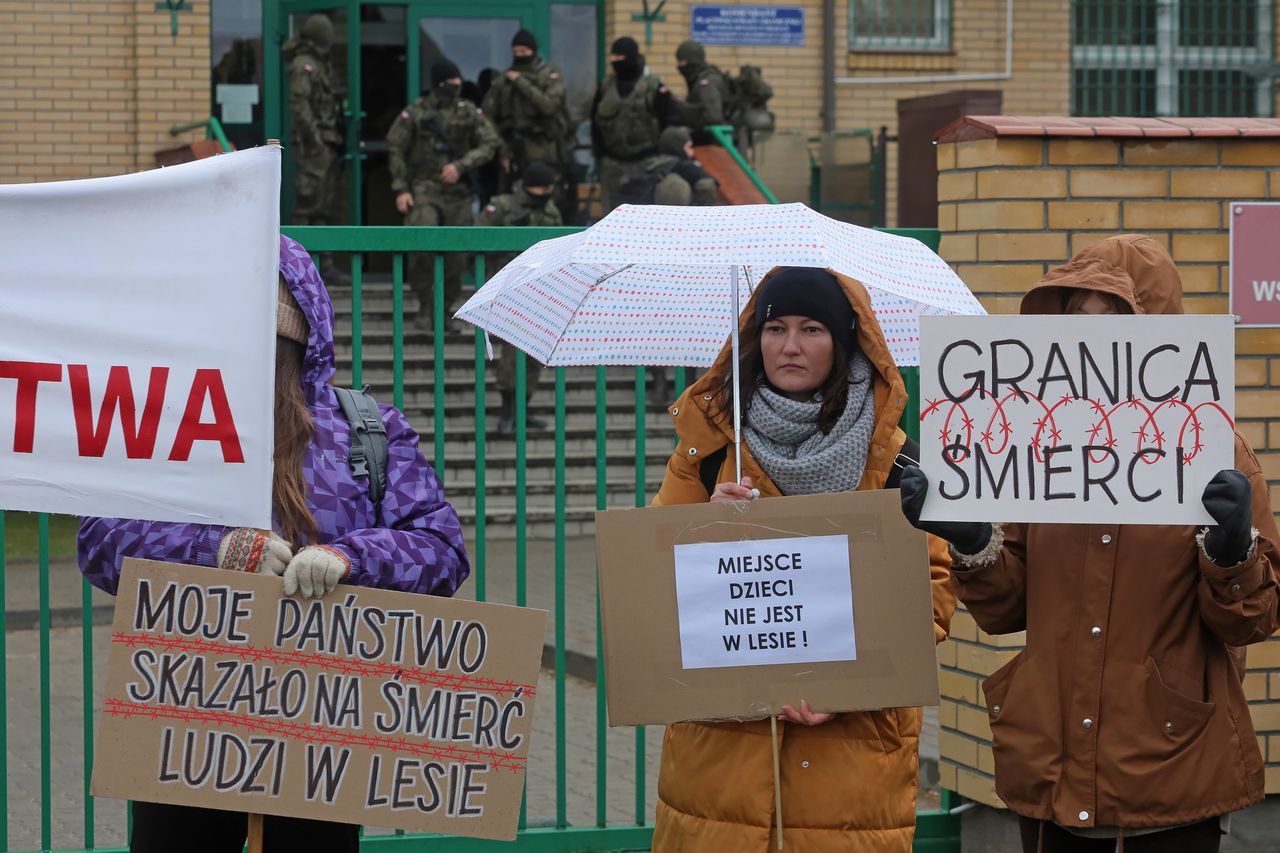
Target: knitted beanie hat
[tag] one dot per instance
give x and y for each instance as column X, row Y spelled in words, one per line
column 625, row 46
column 443, row 70
column 290, row 321
column 538, row 175
column 524, row 38
column 673, row 140
column 691, row 51
column 808, row 292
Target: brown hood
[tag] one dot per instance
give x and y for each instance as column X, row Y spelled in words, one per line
column 1132, row 267
column 890, row 392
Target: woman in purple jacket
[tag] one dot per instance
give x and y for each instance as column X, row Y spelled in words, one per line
column 326, row 530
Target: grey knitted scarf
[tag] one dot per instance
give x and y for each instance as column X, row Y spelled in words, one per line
column 783, row 436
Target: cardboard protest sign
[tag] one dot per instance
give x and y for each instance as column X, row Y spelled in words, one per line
column 138, row 344
column 713, row 611
column 1075, row 419
column 367, row 706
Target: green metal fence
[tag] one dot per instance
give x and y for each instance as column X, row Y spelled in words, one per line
column 1172, row 57
column 420, row 379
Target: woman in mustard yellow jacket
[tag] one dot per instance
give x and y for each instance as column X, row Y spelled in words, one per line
column 821, row 403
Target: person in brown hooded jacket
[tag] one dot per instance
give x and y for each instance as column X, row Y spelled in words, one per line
column 821, row 403
column 1124, row 718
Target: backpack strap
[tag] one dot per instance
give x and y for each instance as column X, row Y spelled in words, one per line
column 368, row 452
column 709, row 469
column 908, row 455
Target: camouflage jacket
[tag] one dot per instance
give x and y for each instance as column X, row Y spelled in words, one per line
column 534, row 104
column 512, row 209
column 626, row 127
column 313, row 103
column 708, row 100
column 683, row 182
column 429, row 134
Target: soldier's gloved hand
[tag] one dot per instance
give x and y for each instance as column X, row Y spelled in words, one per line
column 662, row 101
column 968, row 537
column 404, row 203
column 1229, row 499
column 247, row 550
column 315, row 571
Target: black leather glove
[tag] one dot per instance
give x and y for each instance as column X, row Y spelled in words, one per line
column 968, row 537
column 1229, row 499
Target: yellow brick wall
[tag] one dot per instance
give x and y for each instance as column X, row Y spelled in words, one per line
column 1040, row 82
column 91, row 89
column 1010, row 209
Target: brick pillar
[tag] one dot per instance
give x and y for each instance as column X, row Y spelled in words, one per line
column 1011, row 206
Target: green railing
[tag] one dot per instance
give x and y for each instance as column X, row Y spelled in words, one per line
column 723, row 134
column 607, row 408
column 854, row 178
column 212, row 130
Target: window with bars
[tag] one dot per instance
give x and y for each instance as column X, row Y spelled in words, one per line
column 901, row 25
column 1172, row 57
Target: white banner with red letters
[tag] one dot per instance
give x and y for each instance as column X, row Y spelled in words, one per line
column 137, row 342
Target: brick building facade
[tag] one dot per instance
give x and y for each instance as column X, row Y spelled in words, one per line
column 92, row 89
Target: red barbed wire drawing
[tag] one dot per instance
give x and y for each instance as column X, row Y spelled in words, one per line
column 345, row 666
column 303, row 733
column 958, row 449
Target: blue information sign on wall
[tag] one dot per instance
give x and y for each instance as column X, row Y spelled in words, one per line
column 767, row 26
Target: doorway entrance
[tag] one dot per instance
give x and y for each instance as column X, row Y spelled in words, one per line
column 382, row 57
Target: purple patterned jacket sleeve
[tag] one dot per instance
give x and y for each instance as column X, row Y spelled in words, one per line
column 103, row 544
column 418, row 546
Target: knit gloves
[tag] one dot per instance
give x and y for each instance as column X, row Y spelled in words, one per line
column 1229, row 499
column 966, row 537
column 247, row 550
column 315, row 571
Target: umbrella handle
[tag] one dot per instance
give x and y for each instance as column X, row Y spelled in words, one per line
column 737, row 379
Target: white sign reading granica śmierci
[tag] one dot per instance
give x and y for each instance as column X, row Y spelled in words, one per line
column 764, row 602
column 1075, row 419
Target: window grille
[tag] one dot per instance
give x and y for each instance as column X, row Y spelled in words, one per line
column 1172, row 57
column 900, row 25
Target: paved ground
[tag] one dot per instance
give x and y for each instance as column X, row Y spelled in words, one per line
column 23, row 743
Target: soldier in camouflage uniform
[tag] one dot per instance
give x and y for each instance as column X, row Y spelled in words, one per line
column 530, row 205
column 709, row 95
column 626, row 117
column 317, row 142
column 527, row 105
column 435, row 144
column 684, row 181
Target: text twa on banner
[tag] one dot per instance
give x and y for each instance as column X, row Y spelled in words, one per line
column 136, row 362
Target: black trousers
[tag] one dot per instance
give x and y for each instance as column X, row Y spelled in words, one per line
column 160, row 828
column 1202, row 837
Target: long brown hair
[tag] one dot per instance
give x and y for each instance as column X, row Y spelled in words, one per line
column 294, row 431
column 834, row 390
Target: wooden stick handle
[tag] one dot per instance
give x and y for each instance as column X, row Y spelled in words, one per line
column 777, row 779
column 255, row 833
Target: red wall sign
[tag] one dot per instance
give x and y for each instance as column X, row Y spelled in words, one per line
column 1255, row 263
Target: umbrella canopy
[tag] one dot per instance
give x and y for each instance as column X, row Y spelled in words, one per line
column 655, row 285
